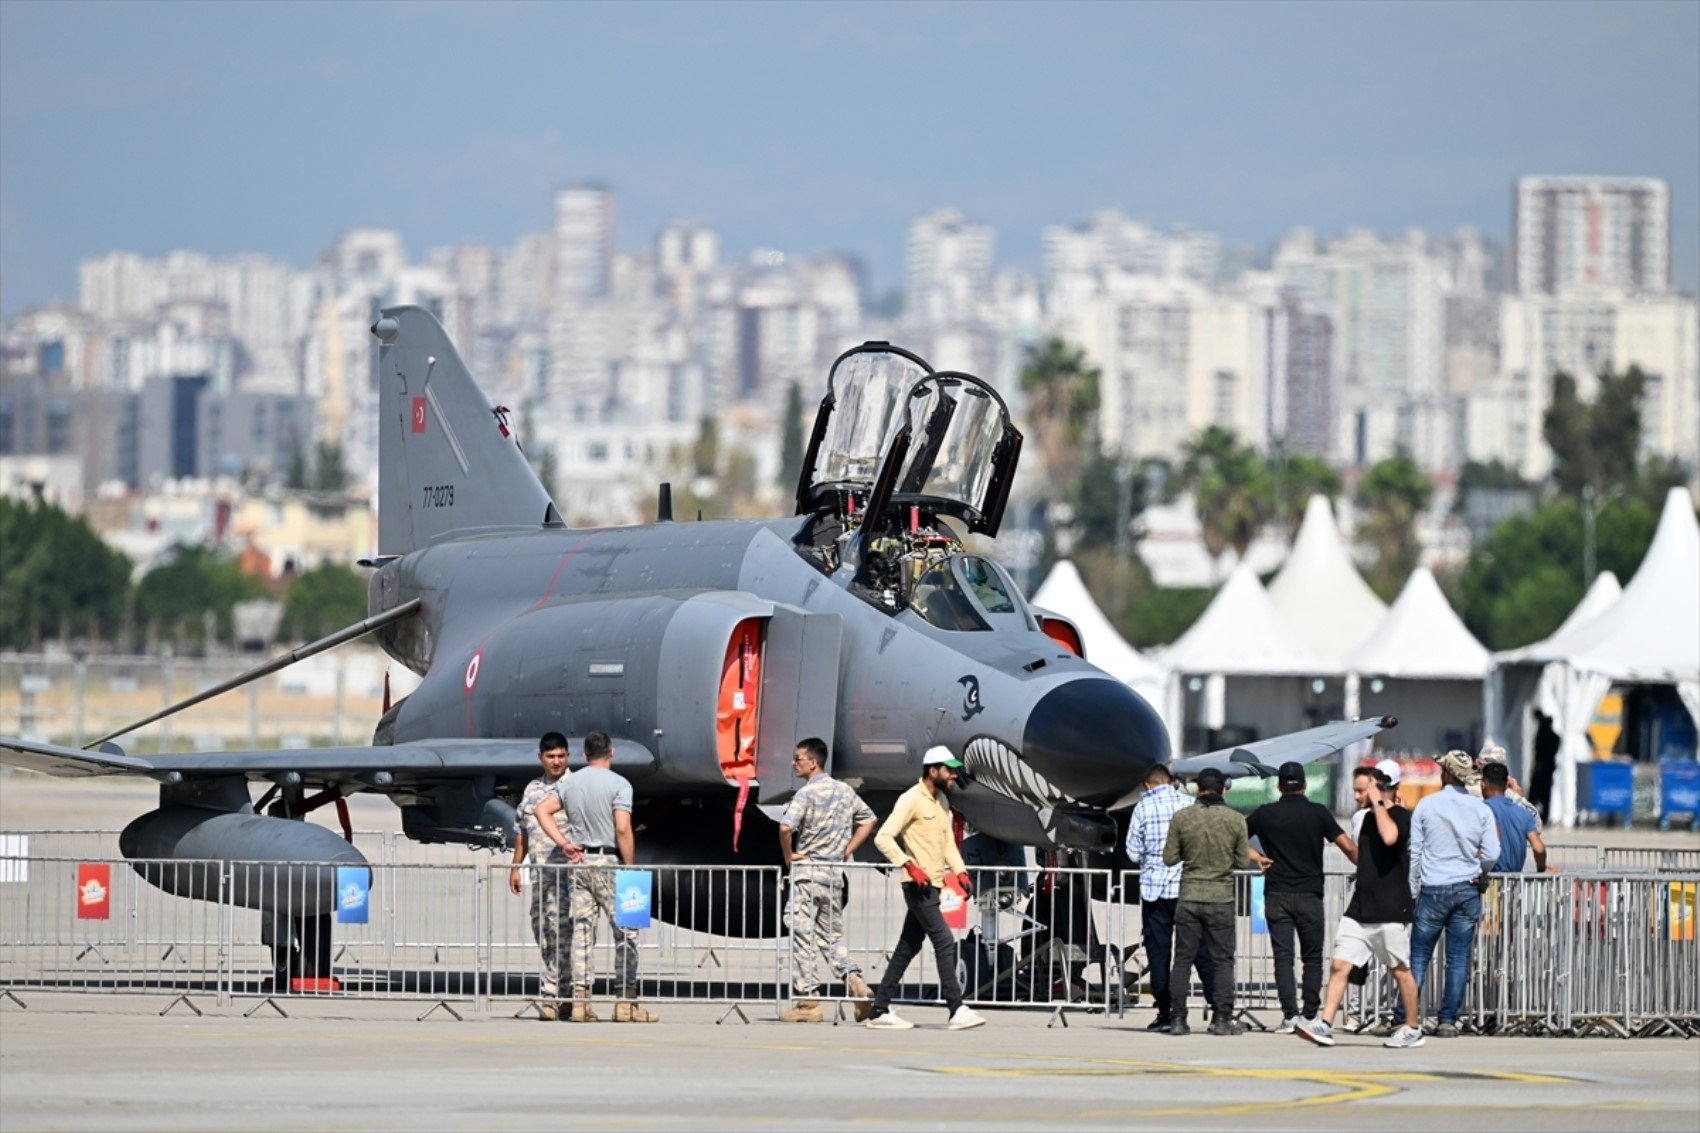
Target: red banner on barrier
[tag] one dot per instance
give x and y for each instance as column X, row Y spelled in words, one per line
column 94, row 892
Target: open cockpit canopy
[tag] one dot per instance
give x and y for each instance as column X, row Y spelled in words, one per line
column 866, row 394
column 894, row 438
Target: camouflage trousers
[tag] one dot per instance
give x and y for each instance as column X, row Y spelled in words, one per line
column 593, row 898
column 552, row 929
column 816, row 916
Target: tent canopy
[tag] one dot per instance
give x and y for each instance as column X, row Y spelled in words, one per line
column 1064, row 592
column 1320, row 593
column 1242, row 634
column 1421, row 637
column 1601, row 596
column 1652, row 632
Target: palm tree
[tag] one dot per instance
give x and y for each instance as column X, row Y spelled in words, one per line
column 1392, row 494
column 1061, row 387
column 1231, row 487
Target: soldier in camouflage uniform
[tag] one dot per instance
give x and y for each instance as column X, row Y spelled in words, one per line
column 823, row 826
column 548, row 885
column 597, row 809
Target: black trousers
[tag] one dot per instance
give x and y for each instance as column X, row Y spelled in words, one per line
column 924, row 920
column 1158, row 916
column 1211, row 927
column 1287, row 914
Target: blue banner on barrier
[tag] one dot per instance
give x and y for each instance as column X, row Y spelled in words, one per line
column 632, row 891
column 1679, row 782
column 1259, row 922
column 353, row 892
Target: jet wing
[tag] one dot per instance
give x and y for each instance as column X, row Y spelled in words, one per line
column 1263, row 757
column 422, row 759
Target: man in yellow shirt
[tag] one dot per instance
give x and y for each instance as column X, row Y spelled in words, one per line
column 919, row 838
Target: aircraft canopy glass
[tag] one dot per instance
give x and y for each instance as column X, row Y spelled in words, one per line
column 865, row 398
column 957, row 426
column 969, row 592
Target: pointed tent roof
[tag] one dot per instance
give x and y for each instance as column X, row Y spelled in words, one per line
column 1421, row 637
column 1064, row 592
column 1600, row 597
column 1652, row 632
column 1242, row 634
column 1320, row 592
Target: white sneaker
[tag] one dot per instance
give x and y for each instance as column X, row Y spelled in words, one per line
column 1405, row 1038
column 1316, row 1031
column 1288, row 1025
column 965, row 1018
column 889, row 1022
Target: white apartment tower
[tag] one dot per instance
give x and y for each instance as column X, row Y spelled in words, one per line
column 1609, row 232
column 949, row 265
column 584, row 242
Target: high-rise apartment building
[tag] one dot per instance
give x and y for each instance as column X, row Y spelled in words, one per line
column 949, row 267
column 1590, row 232
column 584, row 242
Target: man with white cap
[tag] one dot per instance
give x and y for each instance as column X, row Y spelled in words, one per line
column 918, row 837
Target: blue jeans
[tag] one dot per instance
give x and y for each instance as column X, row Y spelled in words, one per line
column 1454, row 910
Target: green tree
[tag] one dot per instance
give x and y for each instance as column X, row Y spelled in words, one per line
column 1297, row 477
column 1231, row 487
column 705, row 454
column 1595, row 445
column 1108, row 494
column 295, row 478
column 324, row 600
column 1526, row 577
column 176, row 595
column 55, row 571
column 791, row 440
column 1061, row 388
column 1392, row 494
column 329, row 472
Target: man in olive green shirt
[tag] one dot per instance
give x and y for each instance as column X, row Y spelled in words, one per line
column 1208, row 841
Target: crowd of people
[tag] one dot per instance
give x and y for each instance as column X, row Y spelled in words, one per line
column 1420, row 873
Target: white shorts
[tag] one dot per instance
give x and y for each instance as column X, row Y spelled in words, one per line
column 1357, row 943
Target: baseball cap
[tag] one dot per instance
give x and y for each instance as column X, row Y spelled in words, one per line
column 939, row 755
column 1390, row 768
column 1490, row 753
column 1290, row 773
column 1210, row 779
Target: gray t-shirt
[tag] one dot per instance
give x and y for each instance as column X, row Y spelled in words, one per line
column 590, row 797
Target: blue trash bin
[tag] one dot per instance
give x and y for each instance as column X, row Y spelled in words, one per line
column 1679, row 790
column 1607, row 788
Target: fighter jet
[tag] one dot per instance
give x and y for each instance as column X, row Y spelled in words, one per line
column 706, row 649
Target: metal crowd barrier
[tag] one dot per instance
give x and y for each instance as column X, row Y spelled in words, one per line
column 1572, row 953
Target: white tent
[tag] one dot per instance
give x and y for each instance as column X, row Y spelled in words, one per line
column 1064, row 592
column 1319, row 591
column 1650, row 635
column 1422, row 666
column 1242, row 638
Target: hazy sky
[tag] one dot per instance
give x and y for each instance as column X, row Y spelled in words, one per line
column 254, row 127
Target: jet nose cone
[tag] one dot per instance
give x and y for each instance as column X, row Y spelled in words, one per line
column 1094, row 738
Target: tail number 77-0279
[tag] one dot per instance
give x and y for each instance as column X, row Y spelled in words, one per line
column 439, row 495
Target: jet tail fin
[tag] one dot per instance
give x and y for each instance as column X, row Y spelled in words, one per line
column 449, row 462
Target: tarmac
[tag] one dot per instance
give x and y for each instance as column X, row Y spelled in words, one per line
column 81, row 1063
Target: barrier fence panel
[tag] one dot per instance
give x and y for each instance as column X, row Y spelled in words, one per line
column 1572, row 953
column 712, row 933
column 1618, row 858
column 69, row 924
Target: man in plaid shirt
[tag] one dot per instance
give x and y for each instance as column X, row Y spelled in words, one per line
column 1160, row 888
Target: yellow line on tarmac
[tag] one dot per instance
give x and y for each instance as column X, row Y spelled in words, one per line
column 1350, row 1087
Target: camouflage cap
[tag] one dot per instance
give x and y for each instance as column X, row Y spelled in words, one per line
column 1460, row 766
column 1490, row 753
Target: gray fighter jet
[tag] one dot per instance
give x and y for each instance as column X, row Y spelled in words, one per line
column 705, row 649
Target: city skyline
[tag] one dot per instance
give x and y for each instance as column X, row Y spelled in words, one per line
column 812, row 130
